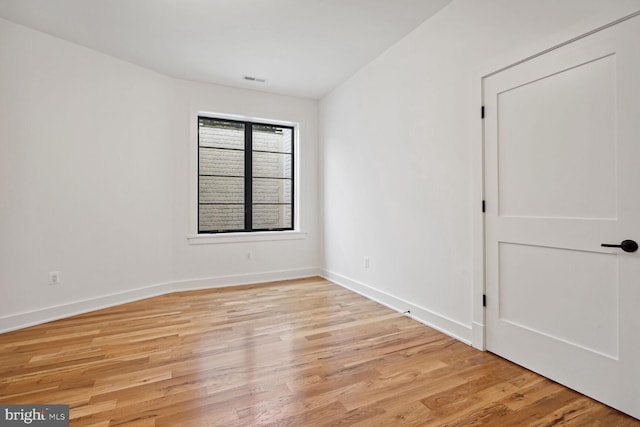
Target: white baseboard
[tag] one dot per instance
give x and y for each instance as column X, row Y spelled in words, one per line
column 434, row 320
column 244, row 279
column 428, row 317
column 35, row 317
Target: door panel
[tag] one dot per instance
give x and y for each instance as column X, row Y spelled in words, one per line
column 530, row 274
column 562, row 149
column 542, row 127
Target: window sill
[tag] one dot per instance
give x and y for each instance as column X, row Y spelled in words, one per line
column 262, row 236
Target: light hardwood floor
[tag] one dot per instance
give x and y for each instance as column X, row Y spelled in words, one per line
column 297, row 353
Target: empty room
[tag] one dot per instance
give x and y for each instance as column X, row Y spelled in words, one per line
column 319, row 213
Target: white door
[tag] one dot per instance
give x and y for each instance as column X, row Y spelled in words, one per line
column 562, row 176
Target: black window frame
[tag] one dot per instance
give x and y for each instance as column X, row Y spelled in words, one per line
column 248, row 175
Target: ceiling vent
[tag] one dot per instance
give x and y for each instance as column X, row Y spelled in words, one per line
column 255, row 79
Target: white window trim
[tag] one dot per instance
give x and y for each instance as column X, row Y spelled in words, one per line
column 195, row 238
column 258, row 236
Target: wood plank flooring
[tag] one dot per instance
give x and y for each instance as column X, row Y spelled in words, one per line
column 296, row 353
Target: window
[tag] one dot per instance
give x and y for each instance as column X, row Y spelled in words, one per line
column 245, row 176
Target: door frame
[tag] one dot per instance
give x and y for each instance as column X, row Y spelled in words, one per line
column 491, row 67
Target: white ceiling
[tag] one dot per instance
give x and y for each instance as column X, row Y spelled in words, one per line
column 301, row 47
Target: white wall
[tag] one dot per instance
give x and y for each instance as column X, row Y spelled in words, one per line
column 397, row 152
column 94, row 182
column 84, row 163
column 96, row 173
column 281, row 258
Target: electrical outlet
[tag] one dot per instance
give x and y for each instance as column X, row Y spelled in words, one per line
column 367, row 263
column 54, row 277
